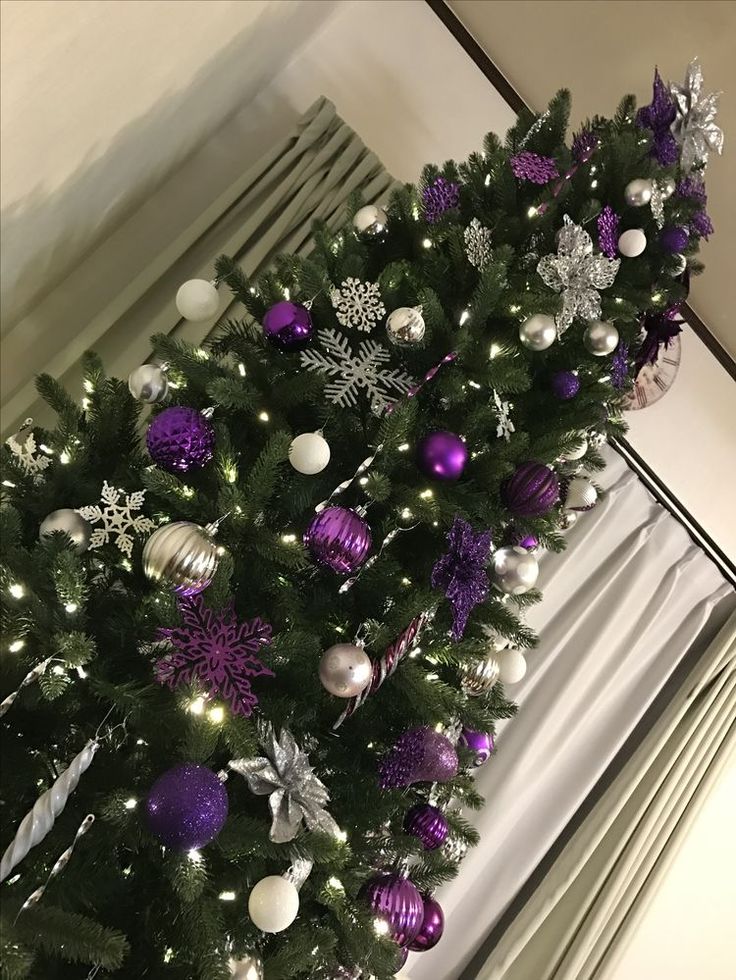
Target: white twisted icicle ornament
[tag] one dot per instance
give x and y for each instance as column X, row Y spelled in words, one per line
column 39, row 821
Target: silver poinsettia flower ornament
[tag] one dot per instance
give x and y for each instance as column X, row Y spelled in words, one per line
column 695, row 126
column 578, row 274
column 295, row 794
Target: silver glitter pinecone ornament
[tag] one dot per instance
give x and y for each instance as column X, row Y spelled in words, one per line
column 71, row 523
column 148, row 383
column 182, row 554
column 515, row 570
column 479, row 676
column 370, row 222
column 538, row 332
column 345, row 670
column 405, row 326
column 600, row 338
column 638, row 192
column 248, row 967
column 579, row 494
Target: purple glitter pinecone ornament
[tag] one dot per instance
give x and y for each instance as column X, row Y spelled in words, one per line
column 584, row 145
column 433, row 925
column 565, row 385
column 338, row 538
column 180, row 439
column 288, row 326
column 674, row 239
column 428, row 823
column 480, row 744
column 420, row 755
column 532, row 490
column 439, row 197
column 397, row 901
column 186, row 807
column 608, row 222
column 442, row 455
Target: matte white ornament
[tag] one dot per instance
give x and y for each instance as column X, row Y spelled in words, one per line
column 370, row 221
column 71, row 523
column 638, row 192
column 600, row 338
column 148, row 384
column 632, row 243
column 578, row 453
column 511, row 666
column 197, row 300
column 273, row 904
column 309, row 453
column 580, row 494
column 515, row 570
column 538, row 332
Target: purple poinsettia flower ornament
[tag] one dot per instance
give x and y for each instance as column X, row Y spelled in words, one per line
column 461, row 572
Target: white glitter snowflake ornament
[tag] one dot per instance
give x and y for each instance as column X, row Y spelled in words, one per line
column 24, row 450
column 505, row 426
column 358, row 304
column 478, row 244
column 117, row 518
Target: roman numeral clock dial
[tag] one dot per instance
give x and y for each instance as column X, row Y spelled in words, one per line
column 656, row 379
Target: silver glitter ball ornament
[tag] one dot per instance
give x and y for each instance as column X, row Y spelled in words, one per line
column 578, row 452
column 148, row 384
column 568, row 519
column 345, row 670
column 71, row 523
column 182, row 554
column 248, row 967
column 638, row 192
column 600, row 338
column 538, row 332
column 478, row 677
column 370, row 222
column 515, row 570
column 405, row 326
column 579, row 494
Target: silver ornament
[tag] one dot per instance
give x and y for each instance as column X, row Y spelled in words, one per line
column 479, row 676
column 248, row 967
column 538, row 332
column 568, row 518
column 148, row 383
column 515, row 570
column 577, row 453
column 695, row 126
column 345, row 670
column 182, row 554
column 579, row 494
column 370, row 222
column 71, row 523
column 638, row 192
column 677, row 265
column 600, row 338
column 667, row 187
column 405, row 326
column 454, row 849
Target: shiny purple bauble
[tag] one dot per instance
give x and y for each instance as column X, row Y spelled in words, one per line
column 532, row 490
column 397, row 901
column 402, row 955
column 565, row 385
column 338, row 538
column 479, row 743
column 288, row 326
column 527, row 541
column 186, row 807
column 442, row 455
column 421, row 755
column 674, row 239
column 180, row 439
column 428, row 823
column 433, row 925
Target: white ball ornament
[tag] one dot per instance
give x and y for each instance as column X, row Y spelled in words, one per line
column 600, row 338
column 370, row 221
column 148, row 383
column 345, row 670
column 638, row 192
column 309, row 453
column 273, row 904
column 580, row 494
column 538, row 332
column 511, row 666
column 71, row 523
column 515, row 570
column 405, row 326
column 578, row 452
column 197, row 300
column 632, row 243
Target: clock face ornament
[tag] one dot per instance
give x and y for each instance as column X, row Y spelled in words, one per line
column 655, row 380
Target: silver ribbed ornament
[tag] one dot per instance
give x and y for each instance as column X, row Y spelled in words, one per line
column 478, row 677
column 71, row 523
column 370, row 222
column 579, row 494
column 184, row 555
column 405, row 326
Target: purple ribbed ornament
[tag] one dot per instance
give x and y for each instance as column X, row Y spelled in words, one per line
column 674, row 239
column 180, row 439
column 565, row 385
column 480, row 743
column 186, row 807
column 420, row 755
column 428, row 823
column 442, row 455
column 288, row 326
column 338, row 538
column 531, row 491
column 433, row 925
column 397, row 901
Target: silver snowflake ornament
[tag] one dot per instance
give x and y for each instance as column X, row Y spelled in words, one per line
column 504, row 426
column 24, row 450
column 577, row 274
column 358, row 304
column 117, row 517
column 695, row 126
column 478, row 244
column 353, row 372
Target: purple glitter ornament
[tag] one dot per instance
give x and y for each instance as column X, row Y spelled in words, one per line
column 397, row 901
column 433, row 925
column 565, row 385
column 421, row 755
column 608, row 222
column 532, row 490
column 288, row 326
column 674, row 239
column 180, row 439
column 700, row 225
column 694, row 189
column 620, row 366
column 532, row 167
column 428, row 823
column 461, row 572
column 659, row 116
column 442, row 455
column 480, row 744
column 439, row 197
column 338, row 538
column 584, row 145
column 186, row 807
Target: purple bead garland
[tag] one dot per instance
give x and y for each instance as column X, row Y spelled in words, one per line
column 180, row 439
column 339, row 539
column 532, row 490
column 186, row 807
column 428, row 823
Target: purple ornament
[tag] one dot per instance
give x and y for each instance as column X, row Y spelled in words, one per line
column 288, row 326
column 620, row 366
column 608, row 222
column 180, row 439
column 531, row 491
column 439, row 197
column 694, row 189
column 480, row 744
column 428, row 823
column 397, row 901
column 527, row 541
column 421, row 755
column 532, row 167
column 659, row 116
column 186, row 807
column 584, row 145
column 674, row 239
column 659, row 330
column 433, row 925
column 338, row 538
column 461, row 572
column 700, row 225
column 442, row 455
column 565, row 385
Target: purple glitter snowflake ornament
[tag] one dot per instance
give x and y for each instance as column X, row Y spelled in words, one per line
column 534, row 168
column 608, row 222
column 659, row 116
column 216, row 650
column 461, row 572
column 439, row 197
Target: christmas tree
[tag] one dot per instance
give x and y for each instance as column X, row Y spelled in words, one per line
column 259, row 606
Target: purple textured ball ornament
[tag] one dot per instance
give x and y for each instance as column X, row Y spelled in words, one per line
column 565, row 385
column 338, row 538
column 186, row 807
column 397, row 901
column 442, row 455
column 674, row 239
column 531, row 491
column 480, row 744
column 421, row 755
column 288, row 326
column 180, row 439
column 433, row 925
column 428, row 823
